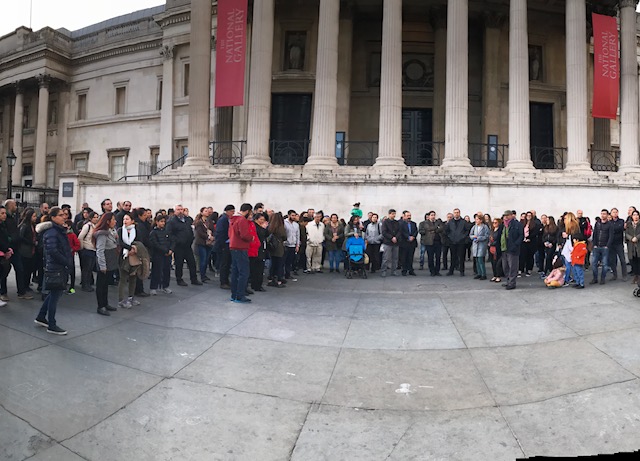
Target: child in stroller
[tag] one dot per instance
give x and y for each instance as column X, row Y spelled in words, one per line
column 355, row 247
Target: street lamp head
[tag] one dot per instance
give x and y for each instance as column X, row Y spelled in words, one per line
column 11, row 158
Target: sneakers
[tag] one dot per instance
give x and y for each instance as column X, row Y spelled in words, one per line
column 4, row 298
column 41, row 322
column 182, row 283
column 166, row 291
column 196, row 282
column 125, row 304
column 27, row 296
column 242, row 300
column 153, row 292
column 2, row 303
column 56, row 330
column 133, row 301
column 71, row 291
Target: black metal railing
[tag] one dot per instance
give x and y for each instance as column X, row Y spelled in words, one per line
column 33, row 196
column 417, row 153
column 605, row 160
column 488, row 155
column 227, row 152
column 148, row 169
column 357, row 153
column 289, row 152
column 549, row 158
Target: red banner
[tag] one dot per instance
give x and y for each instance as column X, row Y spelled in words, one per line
column 606, row 78
column 231, row 48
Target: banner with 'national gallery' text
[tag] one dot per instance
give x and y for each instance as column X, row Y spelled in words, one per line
column 231, row 48
column 606, row 78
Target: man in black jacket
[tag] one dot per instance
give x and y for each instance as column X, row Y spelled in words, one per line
column 143, row 229
column 456, row 231
column 221, row 246
column 408, row 242
column 602, row 241
column 390, row 244
column 616, row 250
column 510, row 243
column 181, row 236
column 14, row 242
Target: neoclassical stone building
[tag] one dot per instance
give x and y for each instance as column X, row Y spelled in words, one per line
column 391, row 102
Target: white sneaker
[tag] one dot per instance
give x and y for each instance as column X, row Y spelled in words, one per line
column 134, row 301
column 2, row 303
column 124, row 304
column 167, row 291
column 153, row 292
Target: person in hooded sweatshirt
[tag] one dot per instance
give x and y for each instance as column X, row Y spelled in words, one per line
column 240, row 238
column 58, row 257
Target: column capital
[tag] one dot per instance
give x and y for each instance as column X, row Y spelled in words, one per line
column 166, row 51
column 628, row 4
column 44, row 80
column 494, row 19
column 438, row 17
column 18, row 86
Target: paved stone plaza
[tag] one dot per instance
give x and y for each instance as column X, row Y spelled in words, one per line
column 400, row 368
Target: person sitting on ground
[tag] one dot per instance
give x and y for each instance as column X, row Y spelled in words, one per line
column 555, row 279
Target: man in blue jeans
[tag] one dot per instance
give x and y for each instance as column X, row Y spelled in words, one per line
column 602, row 242
column 240, row 237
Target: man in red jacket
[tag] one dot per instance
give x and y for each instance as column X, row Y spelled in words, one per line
column 240, row 238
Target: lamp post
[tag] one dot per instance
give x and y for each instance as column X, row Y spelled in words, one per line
column 11, row 162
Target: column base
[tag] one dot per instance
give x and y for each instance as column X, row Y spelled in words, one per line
column 457, row 165
column 521, row 166
column 629, row 169
column 579, row 167
column 255, row 163
column 195, row 165
column 390, row 163
column 321, row 163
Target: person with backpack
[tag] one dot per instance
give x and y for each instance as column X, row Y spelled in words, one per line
column 240, row 239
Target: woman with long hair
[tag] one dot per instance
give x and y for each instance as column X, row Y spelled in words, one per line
column 28, row 243
column 87, row 251
column 105, row 240
column 333, row 238
column 479, row 235
column 574, row 238
column 495, row 250
column 550, row 242
column 204, row 232
column 275, row 243
column 57, row 259
column 528, row 249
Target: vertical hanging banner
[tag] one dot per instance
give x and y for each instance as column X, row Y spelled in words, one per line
column 606, row 78
column 231, row 51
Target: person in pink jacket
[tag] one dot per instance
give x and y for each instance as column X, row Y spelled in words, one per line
column 556, row 278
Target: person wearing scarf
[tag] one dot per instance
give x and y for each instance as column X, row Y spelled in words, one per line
column 126, row 239
column 510, row 243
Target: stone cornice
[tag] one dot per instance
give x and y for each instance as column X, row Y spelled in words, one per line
column 34, row 55
column 142, row 46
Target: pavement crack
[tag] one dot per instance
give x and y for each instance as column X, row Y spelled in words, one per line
column 395, row 445
column 300, row 431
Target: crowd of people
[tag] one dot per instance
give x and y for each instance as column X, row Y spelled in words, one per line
column 127, row 246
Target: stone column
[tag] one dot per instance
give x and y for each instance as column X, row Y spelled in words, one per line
column 577, row 140
column 166, row 112
column 260, row 85
column 345, row 57
column 457, row 93
column 439, row 25
column 18, row 117
column 323, row 139
column 40, row 157
column 6, row 139
column 199, row 85
column 63, row 160
column 519, row 134
column 390, row 135
column 491, row 101
column 629, row 161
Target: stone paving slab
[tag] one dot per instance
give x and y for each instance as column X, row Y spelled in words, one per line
column 407, row 380
column 595, row 421
column 289, row 371
column 62, row 392
column 596, row 318
column 150, row 348
column 522, row 374
column 14, row 342
column 312, row 330
column 180, row 420
column 622, row 346
column 489, row 327
column 56, row 453
column 18, row 440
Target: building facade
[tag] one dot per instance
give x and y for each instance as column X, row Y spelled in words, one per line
column 486, row 100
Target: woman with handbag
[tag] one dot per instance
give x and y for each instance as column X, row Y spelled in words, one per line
column 128, row 261
column 57, row 263
column 495, row 251
column 87, row 252
column 106, row 242
column 204, row 233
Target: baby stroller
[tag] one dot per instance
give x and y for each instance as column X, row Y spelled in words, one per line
column 355, row 247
